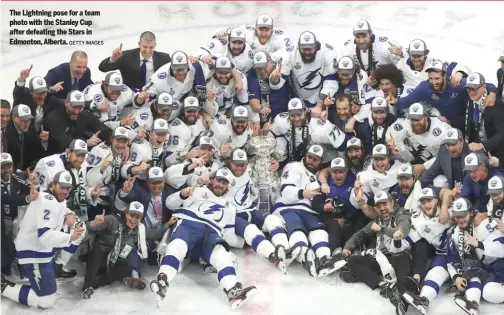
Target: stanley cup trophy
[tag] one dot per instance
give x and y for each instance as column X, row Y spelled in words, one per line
column 266, row 182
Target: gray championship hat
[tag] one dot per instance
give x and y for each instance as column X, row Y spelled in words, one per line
column 136, row 206
column 78, row 146
column 179, row 61
column 240, row 113
column 261, row 59
column 338, row 164
column 237, row 34
column 354, row 143
column 379, row 151
column 63, row 178
column 381, row 197
column 475, row 81
column 206, row 142
column 453, row 136
column 114, row 81
column 155, row 174
column 473, row 160
column 417, row 111
column 295, row 105
column 121, row 133
column 316, row 151
column 427, row 193
column 21, row 111
column 264, row 20
column 75, row 98
column 6, row 158
column 495, row 185
column 417, row 47
column 164, row 100
column 436, row 66
column 38, row 85
column 405, row 170
column 238, row 156
column 361, row 27
column 461, row 207
column 224, row 173
column 160, row 126
column 307, row 40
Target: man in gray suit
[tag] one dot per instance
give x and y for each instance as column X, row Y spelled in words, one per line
column 449, row 162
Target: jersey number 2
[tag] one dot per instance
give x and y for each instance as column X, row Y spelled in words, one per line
column 46, row 214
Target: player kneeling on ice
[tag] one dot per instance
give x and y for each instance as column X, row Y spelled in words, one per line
column 377, row 267
column 120, row 243
column 40, row 235
column 203, row 214
column 298, row 186
column 249, row 220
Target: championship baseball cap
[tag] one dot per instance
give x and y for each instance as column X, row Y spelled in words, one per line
column 345, row 65
column 63, row 178
column 237, row 34
column 361, row 26
column 261, row 59
column 475, row 81
column 307, row 40
column 121, row 133
column 114, row 80
column 160, row 126
column 240, row 113
column 164, row 100
column 453, row 136
column 461, row 207
column 338, row 164
column 501, row 58
column 379, row 151
column 75, row 98
column 417, row 47
column 427, row 193
column 78, row 146
column 191, row 103
column 316, row 151
column 473, row 160
column 436, row 66
column 136, row 206
column 238, row 156
column 21, row 111
column 224, row 173
column 381, row 197
column 38, row 85
column 406, row 170
column 264, row 20
column 379, row 103
column 179, row 61
column 206, row 142
column 495, row 185
column 6, row 158
column 354, row 143
column 295, row 105
column 155, row 174
column 223, row 64
column 416, row 111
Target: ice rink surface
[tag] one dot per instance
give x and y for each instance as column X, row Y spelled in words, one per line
column 466, row 32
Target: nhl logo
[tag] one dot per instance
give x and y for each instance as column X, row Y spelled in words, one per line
column 117, row 80
column 78, row 96
column 415, row 109
column 458, row 205
column 241, row 111
column 179, row 59
column 427, row 229
column 338, row 161
column 469, row 160
column 258, row 58
column 238, row 32
column 26, row 110
column 493, row 183
column 307, row 38
column 471, row 78
column 165, row 99
column 360, row 25
column 136, row 205
column 379, row 102
column 240, row 155
column 172, row 92
column 265, row 19
column 316, row 149
column 68, row 178
column 294, row 103
column 223, row 62
column 191, row 101
column 416, row 45
column 155, row 172
column 82, row 144
column 378, row 149
column 425, row 191
column 40, row 82
column 450, row 133
column 161, row 124
column 345, row 63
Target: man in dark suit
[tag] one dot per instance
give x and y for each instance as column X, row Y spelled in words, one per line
column 75, row 75
column 5, row 109
column 449, row 161
column 152, row 194
column 136, row 65
column 500, row 77
column 484, row 126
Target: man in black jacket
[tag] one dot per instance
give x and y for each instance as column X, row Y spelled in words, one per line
column 500, row 77
column 70, row 122
column 136, row 65
column 484, row 127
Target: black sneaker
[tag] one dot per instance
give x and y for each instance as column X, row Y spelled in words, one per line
column 62, row 272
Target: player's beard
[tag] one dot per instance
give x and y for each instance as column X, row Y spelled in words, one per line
column 237, row 52
column 311, row 167
column 308, row 59
column 406, row 189
column 190, row 120
column 240, row 129
column 218, row 190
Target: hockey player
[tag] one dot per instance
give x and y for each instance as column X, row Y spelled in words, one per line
column 495, row 212
column 371, row 50
column 380, row 121
column 413, row 67
column 145, row 153
column 471, row 247
column 295, row 131
column 164, row 107
column 222, row 97
column 425, row 225
column 39, row 236
column 185, row 132
column 263, row 36
column 249, row 220
column 203, row 214
column 311, row 68
column 233, row 47
column 104, row 169
column 418, row 138
column 298, row 188
column 229, row 134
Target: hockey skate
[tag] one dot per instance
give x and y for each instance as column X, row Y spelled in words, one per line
column 470, row 307
column 291, row 254
column 278, row 258
column 420, row 303
column 87, row 293
column 389, row 291
column 328, row 265
column 412, row 285
column 310, row 263
column 64, row 275
column 402, row 307
column 238, row 296
column 207, row 268
column 134, row 283
column 5, row 283
column 159, row 287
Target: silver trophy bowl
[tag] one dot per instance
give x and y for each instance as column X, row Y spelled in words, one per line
column 264, row 180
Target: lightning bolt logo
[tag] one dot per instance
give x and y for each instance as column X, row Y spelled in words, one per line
column 311, row 80
column 213, row 210
column 244, row 194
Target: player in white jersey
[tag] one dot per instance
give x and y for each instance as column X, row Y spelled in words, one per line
column 263, row 36
column 473, row 246
column 295, row 131
column 495, row 211
column 425, row 225
column 413, row 67
column 249, row 220
column 108, row 98
column 371, row 50
column 40, row 235
column 165, row 107
column 298, row 187
column 145, row 153
column 203, row 215
column 353, row 80
column 311, row 68
column 104, row 168
column 418, row 138
column 185, row 133
column 234, row 47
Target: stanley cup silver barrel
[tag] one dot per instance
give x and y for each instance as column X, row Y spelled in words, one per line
column 265, row 181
